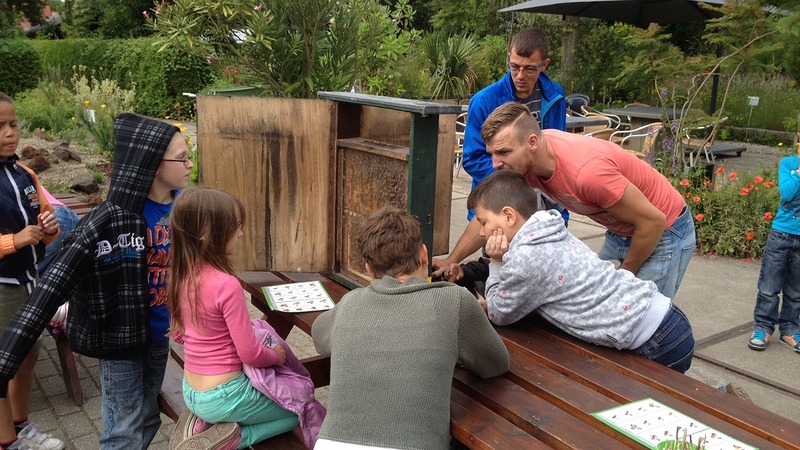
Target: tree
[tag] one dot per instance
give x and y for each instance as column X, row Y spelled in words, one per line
column 108, row 19
column 292, row 48
column 12, row 11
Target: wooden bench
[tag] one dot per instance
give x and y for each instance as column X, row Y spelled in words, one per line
column 556, row 382
column 69, row 370
column 171, row 402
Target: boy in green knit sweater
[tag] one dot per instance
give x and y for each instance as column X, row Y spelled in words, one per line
column 395, row 343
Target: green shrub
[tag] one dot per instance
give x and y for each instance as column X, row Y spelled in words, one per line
column 66, row 54
column 733, row 214
column 778, row 102
column 97, row 103
column 20, row 68
column 160, row 77
column 48, row 106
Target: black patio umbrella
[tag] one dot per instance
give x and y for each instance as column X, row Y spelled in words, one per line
column 637, row 12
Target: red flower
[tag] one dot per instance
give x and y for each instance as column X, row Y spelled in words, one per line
column 688, row 194
column 685, row 182
column 750, row 235
column 732, row 175
column 750, row 186
column 721, row 170
column 744, row 191
column 695, row 199
column 758, row 179
column 767, row 216
column 769, row 184
column 699, row 217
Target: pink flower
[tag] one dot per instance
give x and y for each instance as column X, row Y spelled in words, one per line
column 721, row 170
column 733, row 175
column 769, row 184
column 706, row 182
column 750, row 235
column 744, row 191
column 257, row 8
column 695, row 199
column 145, row 14
column 699, row 217
column 685, row 182
column 758, row 179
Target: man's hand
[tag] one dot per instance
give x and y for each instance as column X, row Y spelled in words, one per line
column 48, row 223
column 440, row 267
column 30, row 235
column 453, row 272
column 496, row 245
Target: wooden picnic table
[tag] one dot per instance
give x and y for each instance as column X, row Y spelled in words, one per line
column 554, row 384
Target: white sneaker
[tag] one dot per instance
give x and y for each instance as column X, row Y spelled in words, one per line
column 31, row 438
column 59, row 320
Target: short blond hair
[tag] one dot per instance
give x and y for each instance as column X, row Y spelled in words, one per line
column 511, row 114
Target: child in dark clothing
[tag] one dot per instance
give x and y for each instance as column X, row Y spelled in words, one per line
column 27, row 224
column 113, row 269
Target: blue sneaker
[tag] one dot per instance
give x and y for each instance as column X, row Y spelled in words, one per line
column 792, row 341
column 759, row 340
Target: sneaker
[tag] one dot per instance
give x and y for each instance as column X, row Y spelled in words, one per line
column 31, row 438
column 759, row 340
column 792, row 341
column 193, row 432
column 737, row 391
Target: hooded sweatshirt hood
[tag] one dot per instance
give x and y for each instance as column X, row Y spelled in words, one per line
column 140, row 144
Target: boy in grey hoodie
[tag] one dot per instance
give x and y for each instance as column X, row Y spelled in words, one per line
column 537, row 265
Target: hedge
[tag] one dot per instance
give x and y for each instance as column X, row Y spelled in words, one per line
column 160, row 77
column 20, row 68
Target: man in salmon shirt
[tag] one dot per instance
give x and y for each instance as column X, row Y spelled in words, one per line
column 650, row 227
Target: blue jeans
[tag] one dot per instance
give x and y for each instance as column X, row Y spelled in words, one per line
column 66, row 218
column 238, row 401
column 780, row 272
column 131, row 416
column 672, row 345
column 669, row 260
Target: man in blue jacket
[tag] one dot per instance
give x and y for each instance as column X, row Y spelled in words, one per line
column 526, row 83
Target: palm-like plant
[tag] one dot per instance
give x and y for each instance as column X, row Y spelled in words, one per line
column 451, row 60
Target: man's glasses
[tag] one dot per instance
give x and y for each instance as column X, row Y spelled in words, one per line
column 527, row 70
column 183, row 160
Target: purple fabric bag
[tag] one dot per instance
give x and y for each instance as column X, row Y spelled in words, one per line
column 288, row 385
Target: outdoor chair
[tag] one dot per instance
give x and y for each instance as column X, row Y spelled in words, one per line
column 603, row 133
column 576, row 101
column 638, row 141
column 613, row 120
column 461, row 125
column 698, row 138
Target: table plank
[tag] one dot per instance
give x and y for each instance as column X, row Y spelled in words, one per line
column 538, row 417
column 595, row 367
column 479, row 428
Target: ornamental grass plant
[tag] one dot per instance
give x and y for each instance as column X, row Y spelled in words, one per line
column 733, row 213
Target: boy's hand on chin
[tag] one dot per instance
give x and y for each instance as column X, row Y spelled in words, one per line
column 497, row 245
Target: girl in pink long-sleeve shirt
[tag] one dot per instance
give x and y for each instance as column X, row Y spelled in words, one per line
column 209, row 315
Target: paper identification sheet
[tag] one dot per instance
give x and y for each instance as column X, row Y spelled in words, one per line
column 298, row 297
column 652, row 423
